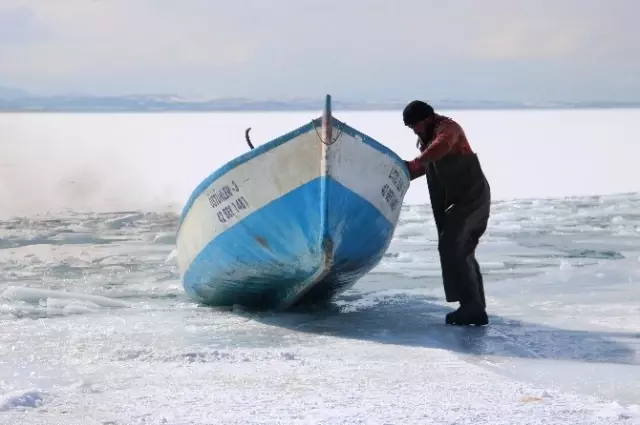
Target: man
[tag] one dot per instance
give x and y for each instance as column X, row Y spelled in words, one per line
column 460, row 199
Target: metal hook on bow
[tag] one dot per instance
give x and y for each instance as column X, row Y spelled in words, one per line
column 247, row 138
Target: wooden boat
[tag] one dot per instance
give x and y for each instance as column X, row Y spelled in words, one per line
column 294, row 221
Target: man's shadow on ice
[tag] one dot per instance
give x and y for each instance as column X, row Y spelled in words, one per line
column 416, row 321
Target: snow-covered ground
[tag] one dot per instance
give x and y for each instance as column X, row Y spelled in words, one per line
column 96, row 329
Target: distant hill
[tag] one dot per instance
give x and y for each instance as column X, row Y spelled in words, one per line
column 14, row 100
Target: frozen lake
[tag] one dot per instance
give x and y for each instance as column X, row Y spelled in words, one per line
column 96, row 329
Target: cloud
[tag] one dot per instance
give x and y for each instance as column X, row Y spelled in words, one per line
column 524, row 40
column 18, row 26
column 124, row 39
column 298, row 47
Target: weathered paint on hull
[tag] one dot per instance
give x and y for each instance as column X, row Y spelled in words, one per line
column 295, row 221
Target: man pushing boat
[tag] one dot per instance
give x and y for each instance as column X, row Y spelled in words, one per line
column 460, row 199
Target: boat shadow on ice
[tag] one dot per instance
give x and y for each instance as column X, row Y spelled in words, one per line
column 412, row 320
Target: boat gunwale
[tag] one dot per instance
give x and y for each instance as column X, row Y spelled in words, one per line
column 274, row 143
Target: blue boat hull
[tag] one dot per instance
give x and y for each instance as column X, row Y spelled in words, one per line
column 263, row 261
column 293, row 222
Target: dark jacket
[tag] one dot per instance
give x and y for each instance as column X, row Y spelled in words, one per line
column 454, row 175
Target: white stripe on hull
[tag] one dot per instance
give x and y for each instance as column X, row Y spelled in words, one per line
column 245, row 189
column 368, row 172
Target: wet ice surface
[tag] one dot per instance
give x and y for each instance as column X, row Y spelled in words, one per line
column 97, row 330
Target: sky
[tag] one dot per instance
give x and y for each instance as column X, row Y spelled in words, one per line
column 519, row 50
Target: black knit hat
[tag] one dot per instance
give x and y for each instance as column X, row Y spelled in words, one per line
column 416, row 111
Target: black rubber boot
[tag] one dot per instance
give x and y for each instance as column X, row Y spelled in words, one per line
column 467, row 315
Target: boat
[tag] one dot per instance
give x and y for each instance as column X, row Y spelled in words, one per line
column 292, row 222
